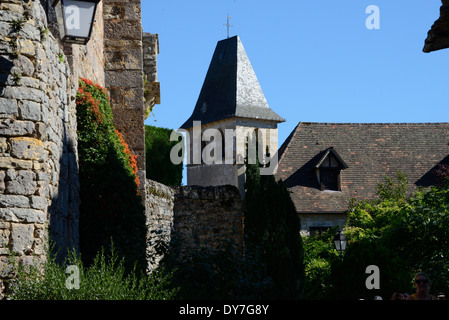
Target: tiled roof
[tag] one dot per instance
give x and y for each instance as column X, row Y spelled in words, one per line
column 231, row 88
column 371, row 151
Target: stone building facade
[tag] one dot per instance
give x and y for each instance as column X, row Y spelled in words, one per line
column 38, row 160
column 39, row 187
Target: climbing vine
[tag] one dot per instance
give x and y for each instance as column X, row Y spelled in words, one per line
column 111, row 207
column 95, row 121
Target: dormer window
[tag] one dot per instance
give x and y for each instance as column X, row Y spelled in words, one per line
column 328, row 170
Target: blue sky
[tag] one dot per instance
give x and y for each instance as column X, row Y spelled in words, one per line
column 315, row 60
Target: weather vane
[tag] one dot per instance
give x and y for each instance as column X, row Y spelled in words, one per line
column 227, row 24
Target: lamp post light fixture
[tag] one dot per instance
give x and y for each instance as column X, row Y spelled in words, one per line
column 340, row 242
column 75, row 19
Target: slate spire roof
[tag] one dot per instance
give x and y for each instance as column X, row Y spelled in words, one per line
column 231, row 88
column 438, row 35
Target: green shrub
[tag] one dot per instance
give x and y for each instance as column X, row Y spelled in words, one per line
column 105, row 279
column 159, row 167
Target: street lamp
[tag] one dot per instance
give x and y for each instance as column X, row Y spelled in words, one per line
column 75, row 19
column 340, row 242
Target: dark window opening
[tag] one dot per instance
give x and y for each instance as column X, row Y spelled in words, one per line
column 328, row 171
column 330, row 179
column 317, row 230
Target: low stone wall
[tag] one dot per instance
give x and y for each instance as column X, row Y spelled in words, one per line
column 208, row 217
column 191, row 218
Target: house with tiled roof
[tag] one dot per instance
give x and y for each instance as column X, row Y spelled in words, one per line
column 325, row 165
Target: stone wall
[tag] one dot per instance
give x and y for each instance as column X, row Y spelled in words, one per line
column 86, row 61
column 207, row 217
column 38, row 141
column 191, row 218
column 152, row 86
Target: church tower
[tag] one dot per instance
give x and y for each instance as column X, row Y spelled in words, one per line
column 231, row 108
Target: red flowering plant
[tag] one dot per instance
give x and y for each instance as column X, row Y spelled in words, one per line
column 131, row 157
column 96, row 123
column 111, row 207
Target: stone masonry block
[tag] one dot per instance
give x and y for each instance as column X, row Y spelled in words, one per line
column 12, row 163
column 14, row 201
column 2, row 181
column 11, row 127
column 23, row 184
column 22, row 238
column 39, row 203
column 5, row 28
column 4, row 145
column 26, row 47
column 30, row 110
column 131, row 30
column 22, row 215
column 130, row 98
column 130, row 78
column 9, row 16
column 25, row 65
column 4, row 237
column 27, row 148
column 25, row 93
column 8, row 107
column 112, row 12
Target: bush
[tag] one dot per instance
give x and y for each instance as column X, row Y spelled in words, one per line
column 349, row 276
column 105, row 279
column 111, row 207
column 224, row 273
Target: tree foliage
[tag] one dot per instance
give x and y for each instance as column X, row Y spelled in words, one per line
column 272, row 227
column 319, row 256
column 402, row 234
column 159, row 167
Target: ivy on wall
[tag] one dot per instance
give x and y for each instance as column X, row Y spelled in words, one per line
column 111, row 209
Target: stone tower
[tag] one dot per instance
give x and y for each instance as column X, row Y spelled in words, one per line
column 231, row 102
